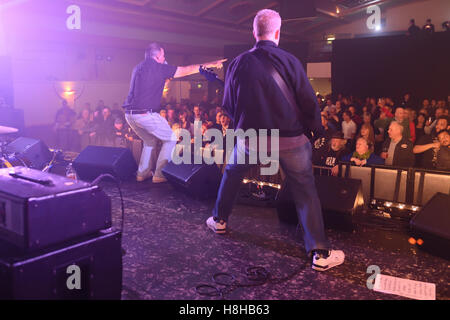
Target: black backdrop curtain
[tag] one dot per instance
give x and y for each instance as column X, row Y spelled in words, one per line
column 392, row 66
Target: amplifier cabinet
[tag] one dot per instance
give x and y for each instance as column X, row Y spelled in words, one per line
column 88, row 268
column 39, row 209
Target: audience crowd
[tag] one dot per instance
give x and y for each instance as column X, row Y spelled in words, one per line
column 373, row 131
column 105, row 126
column 381, row 131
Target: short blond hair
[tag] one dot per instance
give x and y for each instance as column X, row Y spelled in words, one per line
column 266, row 22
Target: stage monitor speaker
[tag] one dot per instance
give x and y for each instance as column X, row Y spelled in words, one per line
column 297, row 10
column 87, row 269
column 95, row 160
column 340, row 199
column 198, row 180
column 32, row 152
column 432, row 225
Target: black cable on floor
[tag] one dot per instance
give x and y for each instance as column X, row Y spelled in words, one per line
column 117, row 181
column 255, row 276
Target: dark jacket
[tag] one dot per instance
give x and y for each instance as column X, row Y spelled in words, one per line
column 403, row 154
column 253, row 99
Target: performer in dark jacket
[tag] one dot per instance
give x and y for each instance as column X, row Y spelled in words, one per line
column 254, row 100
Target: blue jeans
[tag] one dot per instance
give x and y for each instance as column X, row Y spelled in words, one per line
column 297, row 166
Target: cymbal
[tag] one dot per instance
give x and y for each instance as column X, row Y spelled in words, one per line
column 7, row 130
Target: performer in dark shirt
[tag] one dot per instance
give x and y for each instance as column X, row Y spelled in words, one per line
column 143, row 105
column 254, row 100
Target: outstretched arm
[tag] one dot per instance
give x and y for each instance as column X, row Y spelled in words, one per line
column 192, row 69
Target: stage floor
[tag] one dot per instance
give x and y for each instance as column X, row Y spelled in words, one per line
column 170, row 251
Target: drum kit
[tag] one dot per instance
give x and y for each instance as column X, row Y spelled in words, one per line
column 5, row 161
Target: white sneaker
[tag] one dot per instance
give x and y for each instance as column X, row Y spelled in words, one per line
column 218, row 227
column 323, row 263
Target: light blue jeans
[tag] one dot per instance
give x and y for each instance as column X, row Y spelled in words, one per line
column 151, row 128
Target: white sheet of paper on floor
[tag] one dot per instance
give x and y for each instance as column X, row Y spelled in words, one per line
column 404, row 287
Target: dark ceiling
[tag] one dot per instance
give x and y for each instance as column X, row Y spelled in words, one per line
column 232, row 18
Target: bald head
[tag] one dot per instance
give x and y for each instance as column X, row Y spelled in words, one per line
column 266, row 25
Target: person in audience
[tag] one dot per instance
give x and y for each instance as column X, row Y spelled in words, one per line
column 390, row 103
column 443, row 154
column 205, row 118
column 420, row 125
column 85, row 128
column 197, row 113
column 163, row 113
column 339, row 109
column 431, row 124
column 328, row 105
column 348, row 126
column 348, row 129
column 184, row 122
column 105, row 129
column 329, row 128
column 64, row 121
column 122, row 139
column 171, row 116
column 217, row 124
column 397, row 150
column 411, row 114
column 413, row 30
column 333, row 119
column 362, row 155
column 427, row 147
column 426, row 105
column 367, row 133
column 406, row 102
column 385, row 108
column 101, row 105
column 428, row 28
column 355, row 117
column 117, row 111
column 409, row 129
column 433, row 105
column 225, row 123
column 176, row 127
column 374, row 109
column 329, row 154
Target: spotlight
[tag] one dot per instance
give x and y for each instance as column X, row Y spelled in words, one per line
column 446, row 25
column 378, row 28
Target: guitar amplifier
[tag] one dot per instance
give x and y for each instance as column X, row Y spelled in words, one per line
column 40, row 209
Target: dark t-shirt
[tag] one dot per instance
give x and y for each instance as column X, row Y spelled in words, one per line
column 147, row 84
column 426, row 159
column 443, row 158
